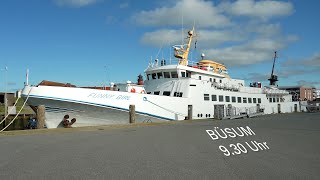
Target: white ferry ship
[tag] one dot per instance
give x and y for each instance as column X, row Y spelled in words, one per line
column 184, row 90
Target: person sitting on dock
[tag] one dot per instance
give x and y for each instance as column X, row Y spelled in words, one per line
column 66, row 122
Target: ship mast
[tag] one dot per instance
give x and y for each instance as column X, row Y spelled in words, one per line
column 182, row 53
column 273, row 78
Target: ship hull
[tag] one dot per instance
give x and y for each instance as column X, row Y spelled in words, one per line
column 95, row 107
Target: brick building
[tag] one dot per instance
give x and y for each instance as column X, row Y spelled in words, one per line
column 300, row 93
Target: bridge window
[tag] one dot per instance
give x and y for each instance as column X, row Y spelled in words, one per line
column 156, row 93
column 259, row 100
column 166, row 93
column 183, row 74
column 166, row 75
column 148, row 76
column 206, row 97
column 177, row 94
column 233, row 99
column 220, row 98
column 210, row 79
column 220, row 81
column 154, row 76
column 227, row 98
column 214, row 97
column 239, row 99
column 249, row 100
column 244, row 100
column 174, row 75
column 254, row 100
column 159, row 74
column 270, row 99
column 199, row 77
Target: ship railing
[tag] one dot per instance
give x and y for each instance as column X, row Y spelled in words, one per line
column 251, row 90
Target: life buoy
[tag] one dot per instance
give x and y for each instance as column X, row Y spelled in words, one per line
column 133, row 90
column 143, row 92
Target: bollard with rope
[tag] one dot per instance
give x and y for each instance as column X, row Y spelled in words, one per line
column 17, row 113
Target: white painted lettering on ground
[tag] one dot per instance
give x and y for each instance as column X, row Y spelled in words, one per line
column 236, row 148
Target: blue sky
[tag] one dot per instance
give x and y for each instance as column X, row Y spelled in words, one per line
column 93, row 42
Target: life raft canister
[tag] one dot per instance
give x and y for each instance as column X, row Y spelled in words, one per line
column 133, row 90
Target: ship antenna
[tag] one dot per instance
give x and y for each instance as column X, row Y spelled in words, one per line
column 273, row 78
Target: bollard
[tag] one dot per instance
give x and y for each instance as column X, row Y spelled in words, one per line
column 132, row 114
column 41, row 115
column 189, row 112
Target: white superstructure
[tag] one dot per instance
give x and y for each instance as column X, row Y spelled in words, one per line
column 168, row 92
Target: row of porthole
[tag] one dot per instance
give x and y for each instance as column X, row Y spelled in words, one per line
column 207, row 115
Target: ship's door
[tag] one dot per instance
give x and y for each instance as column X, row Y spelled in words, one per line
column 279, row 108
column 258, row 108
column 218, row 111
column 295, row 108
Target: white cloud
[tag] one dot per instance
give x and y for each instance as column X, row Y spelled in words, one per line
column 206, row 37
column 222, row 36
column 262, row 9
column 74, row 3
column 252, row 52
column 204, row 13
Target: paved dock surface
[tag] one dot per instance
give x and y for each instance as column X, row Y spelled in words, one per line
column 181, row 150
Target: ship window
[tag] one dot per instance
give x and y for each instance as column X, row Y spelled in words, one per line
column 166, row 74
column 148, row 76
column 220, row 98
column 177, row 94
column 274, row 99
column 278, row 99
column 233, row 99
column 166, row 93
column 159, row 74
column 153, row 75
column 210, row 79
column 156, row 93
column 214, row 80
column 227, row 98
column 220, row 81
column 254, row 100
column 270, row 99
column 239, row 99
column 206, row 97
column 244, row 100
column 188, row 74
column 259, row 100
column 148, row 92
column 214, row 97
column 249, row 100
column 174, row 75
column 199, row 77
column 183, row 74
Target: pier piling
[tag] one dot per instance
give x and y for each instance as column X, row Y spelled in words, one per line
column 132, row 114
column 41, row 115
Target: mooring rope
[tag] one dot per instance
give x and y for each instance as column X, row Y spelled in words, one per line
column 18, row 112
column 9, row 111
column 174, row 112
